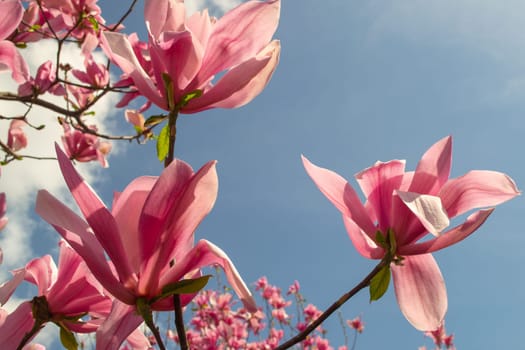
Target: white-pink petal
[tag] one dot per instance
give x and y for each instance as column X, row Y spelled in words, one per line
column 428, row 209
column 420, row 291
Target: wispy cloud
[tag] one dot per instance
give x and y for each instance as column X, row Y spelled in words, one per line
column 217, row 7
column 20, row 180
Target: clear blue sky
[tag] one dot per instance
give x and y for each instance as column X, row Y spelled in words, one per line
column 361, row 81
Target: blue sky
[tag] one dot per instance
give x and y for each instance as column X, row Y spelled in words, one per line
column 358, row 81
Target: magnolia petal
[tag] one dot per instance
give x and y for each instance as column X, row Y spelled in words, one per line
column 428, row 209
column 176, row 238
column 97, row 215
column 476, row 189
column 179, row 55
column 42, row 272
column 362, row 243
column 448, row 238
column 164, row 195
column 204, row 254
column 121, row 322
column 8, row 288
column 14, row 326
column 239, row 35
column 118, row 48
column 11, row 59
column 79, row 235
column 164, row 15
column 378, row 184
column 420, row 291
column 341, row 194
column 9, row 23
column 433, row 169
column 241, row 84
column 127, row 210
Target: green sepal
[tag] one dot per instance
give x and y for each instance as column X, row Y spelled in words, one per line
column 154, row 120
column 168, row 86
column 188, row 97
column 94, row 23
column 67, row 338
column 380, row 239
column 163, row 143
column 379, row 283
column 187, row 286
column 392, row 242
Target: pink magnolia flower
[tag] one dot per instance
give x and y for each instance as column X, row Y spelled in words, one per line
column 44, row 81
column 66, row 294
column 148, row 235
column 410, row 205
column 84, row 147
column 16, row 137
column 192, row 51
column 96, row 74
column 10, row 58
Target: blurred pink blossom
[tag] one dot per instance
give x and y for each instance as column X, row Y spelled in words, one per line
column 65, row 293
column 10, row 58
column 43, row 82
column 16, row 137
column 84, row 147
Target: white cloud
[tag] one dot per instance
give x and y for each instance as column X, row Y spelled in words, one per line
column 217, row 7
column 493, row 27
column 21, row 180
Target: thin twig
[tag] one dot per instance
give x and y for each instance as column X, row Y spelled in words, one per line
column 343, row 299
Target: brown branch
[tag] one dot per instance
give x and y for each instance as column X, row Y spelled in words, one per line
column 336, row 305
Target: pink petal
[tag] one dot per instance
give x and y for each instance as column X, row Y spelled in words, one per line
column 8, row 288
column 164, row 195
column 164, row 15
column 200, row 25
column 178, row 55
column 79, row 235
column 241, row 84
column 428, row 209
column 476, row 189
column 119, row 49
column 127, row 210
column 121, row 322
column 362, row 243
column 3, row 210
column 42, row 272
column 97, row 215
column 420, row 291
column 378, row 184
column 14, row 326
column 240, row 34
column 11, row 59
column 342, row 195
column 10, row 22
column 433, row 169
column 176, row 239
column 204, row 254
column 448, row 238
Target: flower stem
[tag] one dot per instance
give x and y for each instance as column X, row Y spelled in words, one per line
column 336, row 305
column 179, row 323
column 172, row 126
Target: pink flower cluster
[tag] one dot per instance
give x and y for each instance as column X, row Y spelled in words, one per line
column 219, row 322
